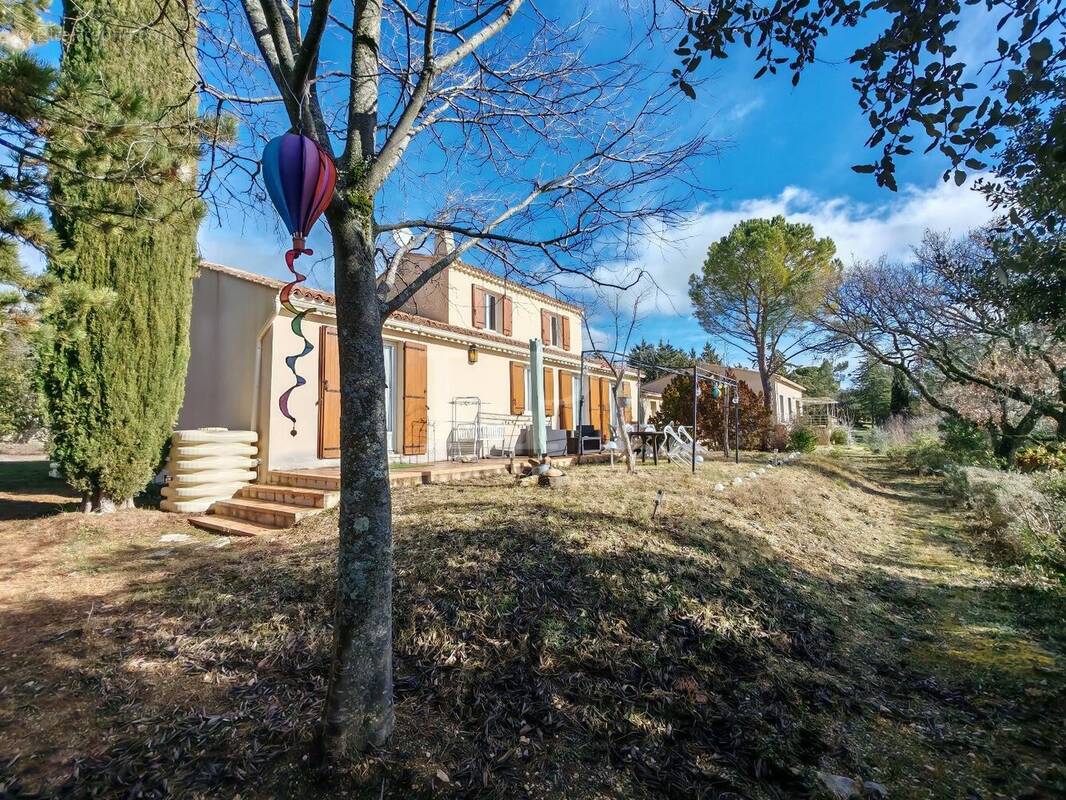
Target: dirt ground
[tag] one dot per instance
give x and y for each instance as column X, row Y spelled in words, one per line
column 828, row 617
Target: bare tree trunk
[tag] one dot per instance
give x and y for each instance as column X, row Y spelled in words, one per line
column 627, row 444
column 359, row 710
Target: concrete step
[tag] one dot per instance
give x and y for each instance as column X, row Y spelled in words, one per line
column 290, row 495
column 262, row 512
column 305, row 480
column 229, row 526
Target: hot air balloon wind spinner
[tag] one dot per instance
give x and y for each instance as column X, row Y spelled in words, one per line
column 299, row 177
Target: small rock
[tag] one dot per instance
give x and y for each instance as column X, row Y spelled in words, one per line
column 223, row 542
column 761, row 470
column 554, row 472
column 737, row 481
column 160, row 553
column 753, row 474
column 874, row 790
column 840, row 786
column 175, row 537
column 719, row 487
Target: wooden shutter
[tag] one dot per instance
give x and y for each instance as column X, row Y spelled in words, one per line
column 329, row 394
column 518, row 388
column 605, row 408
column 545, row 327
column 594, row 403
column 506, row 303
column 415, row 405
column 566, row 401
column 566, row 333
column 477, row 301
column 549, row 393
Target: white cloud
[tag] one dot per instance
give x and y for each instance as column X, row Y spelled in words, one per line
column 861, row 231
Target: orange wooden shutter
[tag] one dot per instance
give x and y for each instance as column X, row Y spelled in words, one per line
column 594, row 403
column 549, row 393
column 566, row 333
column 566, row 401
column 329, row 395
column 518, row 388
column 415, row 405
column 605, row 408
column 477, row 300
column 507, row 316
column 545, row 327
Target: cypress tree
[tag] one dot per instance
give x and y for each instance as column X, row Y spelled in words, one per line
column 900, row 398
column 126, row 221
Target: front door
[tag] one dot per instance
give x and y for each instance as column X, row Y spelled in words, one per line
column 329, row 394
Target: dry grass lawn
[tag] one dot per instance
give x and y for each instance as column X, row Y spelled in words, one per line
column 831, row 615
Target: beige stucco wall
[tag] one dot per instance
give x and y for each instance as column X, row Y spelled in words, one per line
column 788, row 402
column 234, row 320
column 227, row 316
column 282, row 449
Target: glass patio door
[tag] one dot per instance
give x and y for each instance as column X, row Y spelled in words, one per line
column 390, row 394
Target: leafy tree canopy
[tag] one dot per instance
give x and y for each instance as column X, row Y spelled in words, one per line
column 759, row 287
column 911, row 76
column 822, row 380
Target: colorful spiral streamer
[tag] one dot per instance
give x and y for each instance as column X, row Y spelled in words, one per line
column 300, row 177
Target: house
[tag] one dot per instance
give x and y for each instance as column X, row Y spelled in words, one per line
column 456, row 361
column 787, row 394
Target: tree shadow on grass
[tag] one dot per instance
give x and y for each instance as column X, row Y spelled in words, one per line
column 525, row 666
column 26, row 491
column 612, row 661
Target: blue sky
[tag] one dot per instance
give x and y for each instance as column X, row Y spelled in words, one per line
column 784, row 149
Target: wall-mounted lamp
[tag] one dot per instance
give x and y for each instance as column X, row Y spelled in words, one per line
column 471, row 354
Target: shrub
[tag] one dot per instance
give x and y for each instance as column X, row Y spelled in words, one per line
column 1022, row 517
column 925, row 455
column 802, row 439
column 779, row 438
column 1040, row 458
column 967, row 442
column 838, row 436
column 877, row 440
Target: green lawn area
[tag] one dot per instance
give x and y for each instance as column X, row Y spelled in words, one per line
column 830, row 615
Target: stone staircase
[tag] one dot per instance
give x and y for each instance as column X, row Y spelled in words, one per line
column 270, row 507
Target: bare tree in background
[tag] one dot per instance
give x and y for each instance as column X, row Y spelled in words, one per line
column 934, row 320
column 622, row 309
column 560, row 162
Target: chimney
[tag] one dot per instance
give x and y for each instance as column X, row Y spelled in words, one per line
column 444, row 243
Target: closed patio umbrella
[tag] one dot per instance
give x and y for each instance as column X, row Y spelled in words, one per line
column 536, row 396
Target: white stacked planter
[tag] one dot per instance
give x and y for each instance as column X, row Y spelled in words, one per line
column 207, row 465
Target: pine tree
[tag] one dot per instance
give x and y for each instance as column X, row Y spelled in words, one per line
column 113, row 393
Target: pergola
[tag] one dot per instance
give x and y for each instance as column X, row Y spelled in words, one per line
column 696, row 374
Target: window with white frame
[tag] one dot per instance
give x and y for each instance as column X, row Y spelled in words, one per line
column 493, row 312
